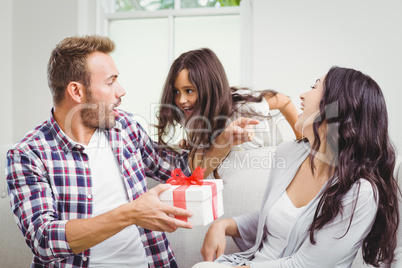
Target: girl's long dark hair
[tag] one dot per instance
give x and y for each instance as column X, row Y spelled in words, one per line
column 354, row 110
column 216, row 100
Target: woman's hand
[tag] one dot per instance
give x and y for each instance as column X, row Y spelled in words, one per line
column 214, row 242
column 215, row 239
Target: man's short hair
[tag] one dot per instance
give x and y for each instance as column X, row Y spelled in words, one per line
column 68, row 62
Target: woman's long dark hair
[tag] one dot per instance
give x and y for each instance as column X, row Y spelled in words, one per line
column 354, row 111
column 216, row 100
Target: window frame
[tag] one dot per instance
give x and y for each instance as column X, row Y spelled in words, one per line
column 92, row 18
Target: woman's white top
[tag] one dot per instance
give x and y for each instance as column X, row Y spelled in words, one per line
column 279, row 222
column 124, row 249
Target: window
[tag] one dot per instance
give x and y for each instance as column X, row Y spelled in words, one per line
column 150, row 34
column 151, row 5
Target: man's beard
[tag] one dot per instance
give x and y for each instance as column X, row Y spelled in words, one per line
column 97, row 114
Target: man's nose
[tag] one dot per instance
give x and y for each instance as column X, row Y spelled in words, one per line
column 120, row 92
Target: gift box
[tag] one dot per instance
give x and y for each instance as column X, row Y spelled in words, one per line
column 202, row 197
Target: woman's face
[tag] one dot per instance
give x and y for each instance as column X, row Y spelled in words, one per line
column 310, row 106
column 185, row 94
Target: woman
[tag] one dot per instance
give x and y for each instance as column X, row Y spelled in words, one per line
column 336, row 194
column 197, row 96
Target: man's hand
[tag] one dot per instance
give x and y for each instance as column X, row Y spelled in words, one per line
column 149, row 212
column 146, row 211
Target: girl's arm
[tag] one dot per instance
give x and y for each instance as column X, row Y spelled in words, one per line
column 286, row 107
column 237, row 132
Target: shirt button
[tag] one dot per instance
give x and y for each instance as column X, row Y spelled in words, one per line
column 84, row 258
column 89, row 196
column 86, row 165
column 3, row 195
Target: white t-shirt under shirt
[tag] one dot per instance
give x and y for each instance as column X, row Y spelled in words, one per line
column 124, row 249
column 279, row 222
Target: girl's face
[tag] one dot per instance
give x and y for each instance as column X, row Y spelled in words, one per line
column 185, row 94
column 310, row 106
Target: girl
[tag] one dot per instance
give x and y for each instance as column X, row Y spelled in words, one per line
column 197, row 96
column 337, row 193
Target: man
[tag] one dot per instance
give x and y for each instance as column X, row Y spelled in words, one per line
column 77, row 181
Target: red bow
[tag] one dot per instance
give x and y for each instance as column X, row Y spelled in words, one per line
column 178, row 177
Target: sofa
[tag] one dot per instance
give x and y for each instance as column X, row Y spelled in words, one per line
column 244, row 174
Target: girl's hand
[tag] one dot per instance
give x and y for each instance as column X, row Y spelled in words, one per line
column 183, row 144
column 239, row 131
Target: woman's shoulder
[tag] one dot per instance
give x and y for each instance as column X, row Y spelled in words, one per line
column 364, row 189
column 292, row 148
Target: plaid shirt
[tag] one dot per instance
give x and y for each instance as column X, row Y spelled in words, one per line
column 49, row 183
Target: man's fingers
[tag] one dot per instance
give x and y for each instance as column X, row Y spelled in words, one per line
column 176, row 223
column 158, row 189
column 182, row 224
column 177, row 211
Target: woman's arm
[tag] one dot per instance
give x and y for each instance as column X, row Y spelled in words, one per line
column 286, row 107
column 215, row 239
column 242, row 229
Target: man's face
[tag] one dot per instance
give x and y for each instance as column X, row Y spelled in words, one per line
column 104, row 93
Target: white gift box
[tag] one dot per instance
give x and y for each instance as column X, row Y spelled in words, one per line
column 198, row 200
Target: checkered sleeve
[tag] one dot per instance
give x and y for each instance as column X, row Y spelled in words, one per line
column 34, row 206
column 159, row 162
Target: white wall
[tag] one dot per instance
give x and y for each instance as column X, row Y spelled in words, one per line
column 37, row 27
column 5, row 72
column 296, row 42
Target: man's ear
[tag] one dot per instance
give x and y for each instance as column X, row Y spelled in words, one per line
column 76, row 92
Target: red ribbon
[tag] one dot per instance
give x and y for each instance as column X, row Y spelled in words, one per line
column 179, row 194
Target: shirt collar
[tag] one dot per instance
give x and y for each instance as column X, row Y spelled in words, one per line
column 66, row 143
